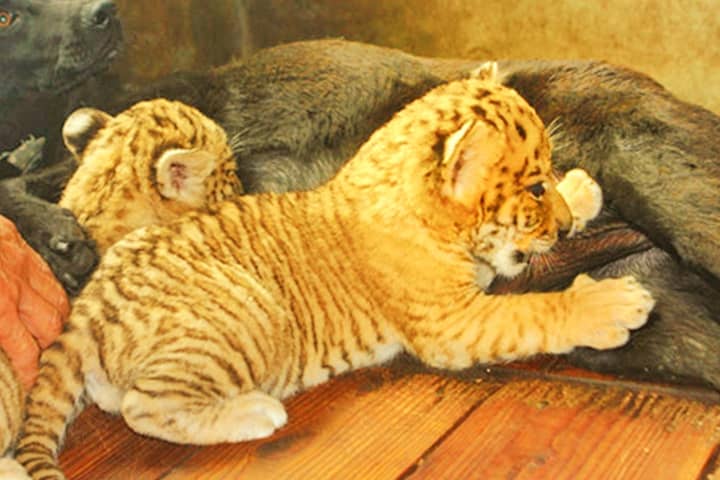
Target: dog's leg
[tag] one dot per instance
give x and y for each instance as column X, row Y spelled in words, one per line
column 52, row 231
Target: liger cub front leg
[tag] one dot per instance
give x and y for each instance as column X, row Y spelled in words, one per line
column 492, row 328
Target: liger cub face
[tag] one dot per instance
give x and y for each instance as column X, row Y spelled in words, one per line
column 147, row 165
column 497, row 165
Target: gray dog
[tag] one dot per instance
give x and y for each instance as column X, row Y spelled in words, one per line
column 49, row 48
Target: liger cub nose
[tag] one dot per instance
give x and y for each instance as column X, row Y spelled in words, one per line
column 521, row 257
column 101, row 14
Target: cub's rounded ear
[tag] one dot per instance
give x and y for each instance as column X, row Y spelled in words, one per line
column 80, row 127
column 181, row 175
column 486, row 71
column 467, row 155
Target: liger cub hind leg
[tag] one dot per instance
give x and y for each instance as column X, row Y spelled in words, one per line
column 170, row 411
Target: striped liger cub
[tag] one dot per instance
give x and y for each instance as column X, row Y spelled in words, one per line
column 145, row 166
column 194, row 331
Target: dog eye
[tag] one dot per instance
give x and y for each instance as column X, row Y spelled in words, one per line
column 537, row 189
column 6, row 18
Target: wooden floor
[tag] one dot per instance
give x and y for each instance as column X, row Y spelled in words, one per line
column 532, row 421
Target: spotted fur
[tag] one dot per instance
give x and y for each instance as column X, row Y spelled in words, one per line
column 181, row 161
column 194, row 331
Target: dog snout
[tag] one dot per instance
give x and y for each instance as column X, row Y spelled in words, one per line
column 101, row 14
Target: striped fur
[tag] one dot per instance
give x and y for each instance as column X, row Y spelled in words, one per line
column 111, row 196
column 11, row 404
column 196, row 330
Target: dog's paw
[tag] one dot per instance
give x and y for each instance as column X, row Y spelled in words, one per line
column 54, row 233
column 28, row 156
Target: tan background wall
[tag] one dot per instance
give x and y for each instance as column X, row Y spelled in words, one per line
column 677, row 42
column 162, row 36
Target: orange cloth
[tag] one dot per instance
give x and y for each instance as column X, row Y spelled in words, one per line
column 33, row 304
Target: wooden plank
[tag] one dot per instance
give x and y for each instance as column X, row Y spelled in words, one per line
column 372, row 424
column 101, row 446
column 712, row 467
column 342, row 431
column 536, row 429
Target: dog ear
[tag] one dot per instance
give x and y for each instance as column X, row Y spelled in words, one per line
column 181, row 175
column 80, row 127
column 467, row 155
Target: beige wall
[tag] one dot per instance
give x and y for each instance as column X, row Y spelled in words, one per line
column 674, row 41
column 167, row 35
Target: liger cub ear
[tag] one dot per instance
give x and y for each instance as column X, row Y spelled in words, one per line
column 80, row 127
column 487, row 71
column 181, row 175
column 467, row 155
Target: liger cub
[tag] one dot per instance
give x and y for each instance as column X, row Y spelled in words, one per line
column 145, row 166
column 273, row 293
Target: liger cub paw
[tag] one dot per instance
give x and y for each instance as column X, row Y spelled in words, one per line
column 606, row 310
column 255, row 415
column 12, row 470
column 583, row 196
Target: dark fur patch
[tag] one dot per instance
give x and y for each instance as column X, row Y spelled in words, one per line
column 439, row 146
column 479, row 111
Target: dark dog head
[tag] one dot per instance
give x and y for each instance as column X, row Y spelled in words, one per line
column 52, row 45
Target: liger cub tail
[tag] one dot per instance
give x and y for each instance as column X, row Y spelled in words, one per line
column 54, row 401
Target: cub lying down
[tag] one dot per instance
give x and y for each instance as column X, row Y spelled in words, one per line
column 194, row 331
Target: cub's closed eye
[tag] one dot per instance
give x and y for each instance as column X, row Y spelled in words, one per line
column 6, row 18
column 536, row 189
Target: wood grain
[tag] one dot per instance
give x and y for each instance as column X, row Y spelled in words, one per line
column 550, row 430
column 359, row 435
column 519, row 422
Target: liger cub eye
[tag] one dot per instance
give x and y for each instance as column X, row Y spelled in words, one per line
column 6, row 18
column 536, row 189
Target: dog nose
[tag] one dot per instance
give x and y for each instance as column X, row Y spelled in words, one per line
column 101, row 14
